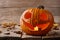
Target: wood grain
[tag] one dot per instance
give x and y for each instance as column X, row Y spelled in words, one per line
column 13, row 9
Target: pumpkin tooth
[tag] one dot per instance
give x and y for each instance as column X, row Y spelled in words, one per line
column 36, row 28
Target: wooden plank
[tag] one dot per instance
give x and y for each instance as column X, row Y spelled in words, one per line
column 18, row 3
column 29, row 3
column 13, row 14
column 54, row 10
column 10, row 14
column 50, row 3
column 19, row 11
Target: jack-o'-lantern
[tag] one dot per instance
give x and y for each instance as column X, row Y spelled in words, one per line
column 36, row 21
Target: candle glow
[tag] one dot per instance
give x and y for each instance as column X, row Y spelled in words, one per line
column 36, row 28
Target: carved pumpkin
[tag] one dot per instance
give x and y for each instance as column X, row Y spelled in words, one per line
column 36, row 21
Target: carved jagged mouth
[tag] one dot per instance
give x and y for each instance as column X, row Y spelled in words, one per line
column 41, row 26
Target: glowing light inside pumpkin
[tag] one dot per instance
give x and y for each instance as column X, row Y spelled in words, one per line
column 36, row 28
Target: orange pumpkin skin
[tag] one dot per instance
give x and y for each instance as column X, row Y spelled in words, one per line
column 41, row 20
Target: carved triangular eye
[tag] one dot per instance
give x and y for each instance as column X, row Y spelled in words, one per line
column 43, row 16
column 27, row 15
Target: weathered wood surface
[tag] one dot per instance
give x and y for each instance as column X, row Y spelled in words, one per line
column 29, row 3
column 12, row 9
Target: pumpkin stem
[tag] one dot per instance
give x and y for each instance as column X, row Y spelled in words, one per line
column 40, row 7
